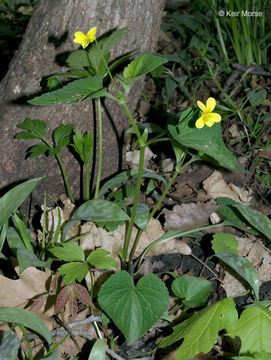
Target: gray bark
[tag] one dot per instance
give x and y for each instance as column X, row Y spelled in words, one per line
column 35, row 59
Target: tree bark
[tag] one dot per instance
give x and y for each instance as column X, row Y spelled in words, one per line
column 48, row 37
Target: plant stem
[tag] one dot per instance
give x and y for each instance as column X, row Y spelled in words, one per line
column 136, row 198
column 107, row 69
column 22, row 328
column 171, row 182
column 87, row 181
column 100, row 150
column 65, row 178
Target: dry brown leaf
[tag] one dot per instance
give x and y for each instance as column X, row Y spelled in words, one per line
column 17, row 293
column 113, row 240
column 189, row 216
column 216, row 187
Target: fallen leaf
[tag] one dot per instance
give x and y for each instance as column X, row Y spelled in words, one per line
column 189, row 216
column 216, row 187
column 17, row 293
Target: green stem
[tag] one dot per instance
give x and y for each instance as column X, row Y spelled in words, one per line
column 171, row 182
column 107, row 69
column 65, row 178
column 22, row 328
column 100, row 149
column 132, row 121
column 136, row 198
column 87, row 181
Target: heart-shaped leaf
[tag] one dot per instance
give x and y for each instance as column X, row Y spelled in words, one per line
column 194, row 291
column 134, row 309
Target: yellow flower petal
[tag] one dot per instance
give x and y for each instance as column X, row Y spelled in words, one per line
column 216, row 117
column 81, row 38
column 92, row 34
column 201, row 106
column 209, row 121
column 210, row 104
column 200, row 123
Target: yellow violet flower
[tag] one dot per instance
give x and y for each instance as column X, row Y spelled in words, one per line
column 84, row 40
column 207, row 118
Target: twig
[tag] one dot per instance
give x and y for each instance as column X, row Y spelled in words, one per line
column 88, row 320
column 253, row 69
column 207, row 267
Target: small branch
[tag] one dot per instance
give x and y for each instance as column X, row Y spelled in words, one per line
column 207, row 267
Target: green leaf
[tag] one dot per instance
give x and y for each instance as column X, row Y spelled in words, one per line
column 152, row 128
column 74, row 74
column 74, row 92
column 126, row 176
column 110, row 41
column 200, row 331
column 143, row 65
column 243, row 268
column 207, row 140
column 97, row 351
column 83, row 145
column 231, row 214
column 23, row 231
column 73, row 271
column 9, row 345
column 38, row 150
column 257, row 98
column 256, row 219
column 134, row 309
column 99, row 259
column 98, row 211
column 68, row 252
column 14, row 240
column 254, row 330
column 78, row 58
column 3, row 234
column 193, row 291
column 36, row 129
column 224, row 243
column 28, row 319
column 15, row 197
column 26, row 259
column 53, row 83
column 170, row 86
column 61, row 133
column 141, row 218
